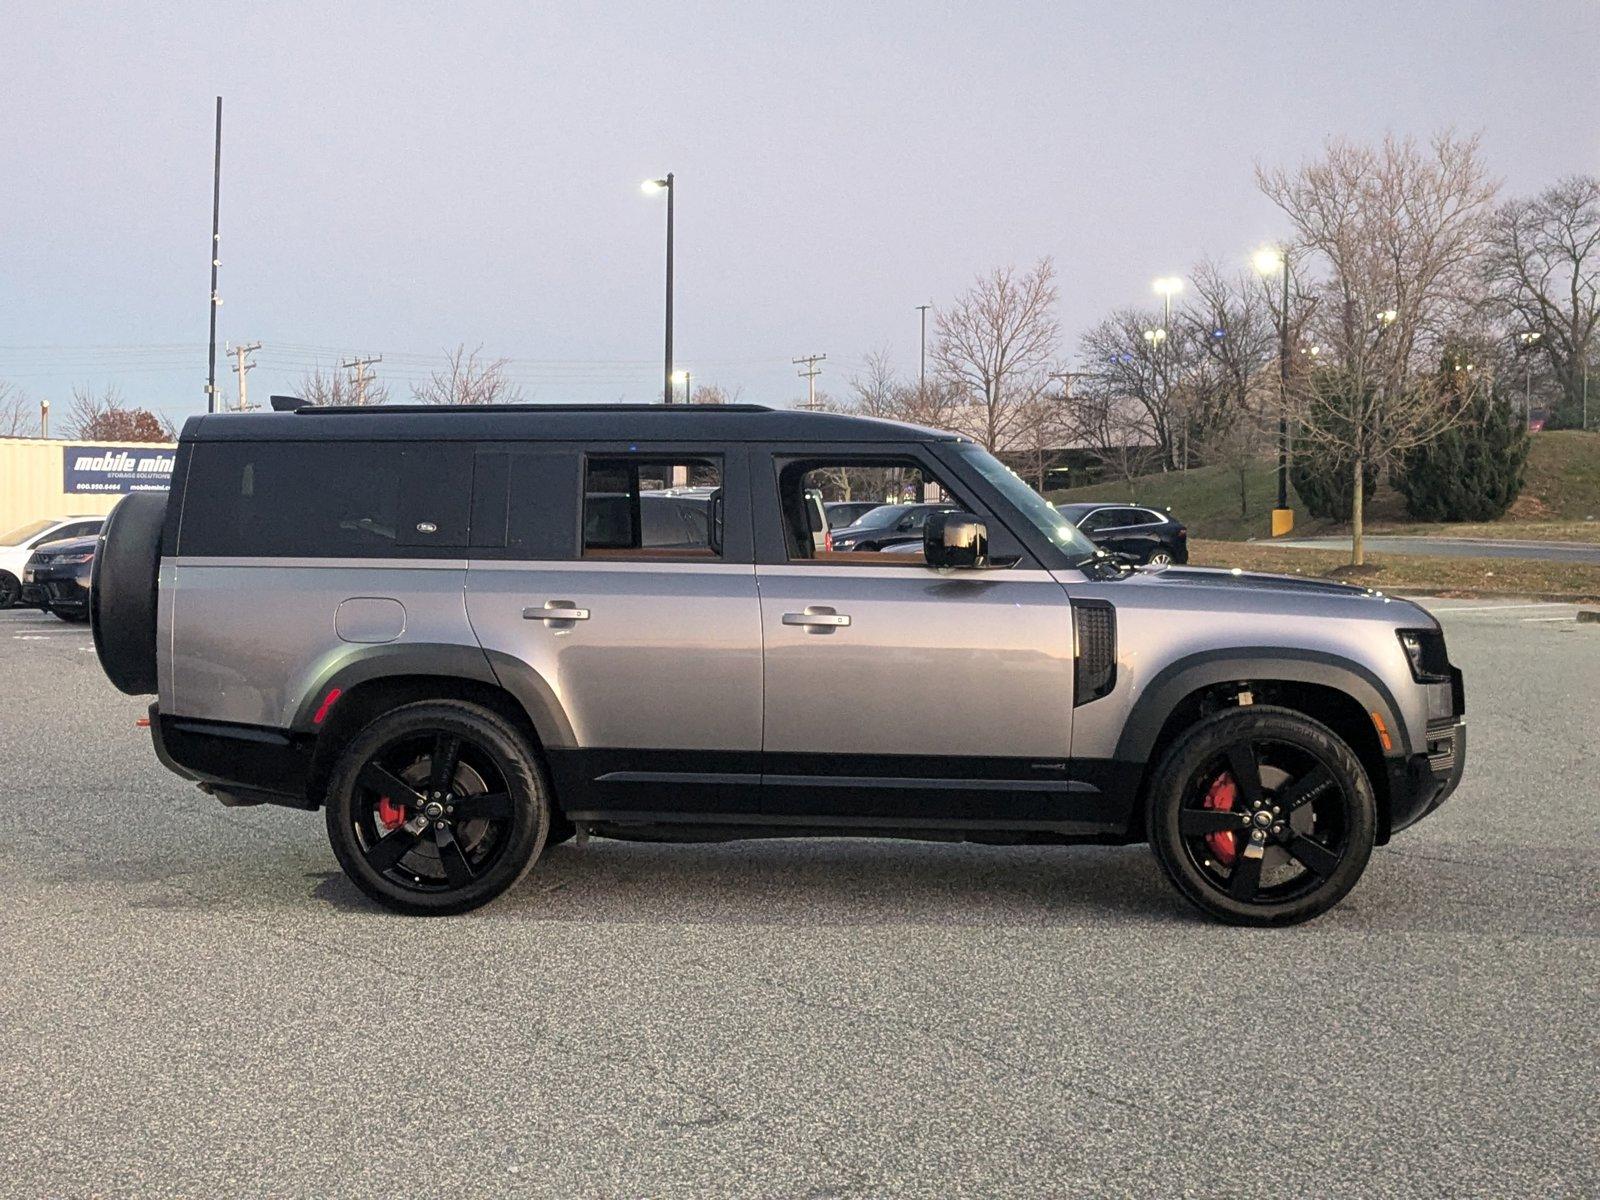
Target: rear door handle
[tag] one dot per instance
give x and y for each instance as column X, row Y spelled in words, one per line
column 818, row 618
column 556, row 610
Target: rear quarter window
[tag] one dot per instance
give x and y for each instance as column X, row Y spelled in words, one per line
column 326, row 500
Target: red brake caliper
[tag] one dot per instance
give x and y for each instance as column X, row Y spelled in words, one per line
column 391, row 814
column 1223, row 794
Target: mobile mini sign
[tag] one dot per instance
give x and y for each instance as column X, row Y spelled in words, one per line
column 116, row 470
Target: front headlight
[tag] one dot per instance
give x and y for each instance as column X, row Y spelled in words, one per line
column 73, row 559
column 1426, row 653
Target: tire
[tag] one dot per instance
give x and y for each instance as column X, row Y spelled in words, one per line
column 122, row 592
column 1317, row 817
column 399, row 769
column 10, row 589
column 1159, row 558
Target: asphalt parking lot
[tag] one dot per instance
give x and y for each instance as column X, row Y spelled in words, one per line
column 193, row 1001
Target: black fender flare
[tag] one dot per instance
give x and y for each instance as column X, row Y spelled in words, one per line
column 363, row 664
column 1256, row 664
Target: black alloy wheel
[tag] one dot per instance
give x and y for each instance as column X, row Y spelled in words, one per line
column 10, row 589
column 437, row 808
column 1262, row 816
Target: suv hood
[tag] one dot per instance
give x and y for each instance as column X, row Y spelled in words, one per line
column 1222, row 578
column 75, row 545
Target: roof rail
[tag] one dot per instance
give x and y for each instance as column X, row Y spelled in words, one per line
column 348, row 409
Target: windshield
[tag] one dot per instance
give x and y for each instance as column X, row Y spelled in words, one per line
column 23, row 532
column 1040, row 512
column 884, row 514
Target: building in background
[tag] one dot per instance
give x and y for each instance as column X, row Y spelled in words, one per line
column 45, row 477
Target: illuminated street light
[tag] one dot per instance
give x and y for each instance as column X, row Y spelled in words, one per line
column 1155, row 336
column 1268, row 260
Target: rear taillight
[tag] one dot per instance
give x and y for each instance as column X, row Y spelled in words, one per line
column 1183, row 533
column 827, row 540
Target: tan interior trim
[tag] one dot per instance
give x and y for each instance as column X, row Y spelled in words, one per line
column 650, row 552
column 864, row 558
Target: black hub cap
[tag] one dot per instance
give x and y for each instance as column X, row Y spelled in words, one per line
column 10, row 589
column 432, row 812
column 1265, row 822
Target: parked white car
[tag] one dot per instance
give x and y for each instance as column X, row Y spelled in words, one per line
column 18, row 544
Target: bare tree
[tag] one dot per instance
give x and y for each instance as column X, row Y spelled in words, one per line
column 997, row 344
column 467, row 379
column 1126, row 399
column 880, row 391
column 1399, row 233
column 716, row 393
column 103, row 417
column 1544, row 268
column 1232, row 329
column 19, row 417
column 334, row 388
column 1116, row 428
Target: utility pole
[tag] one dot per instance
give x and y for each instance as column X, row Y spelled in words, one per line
column 44, row 418
column 810, row 376
column 242, row 366
column 922, row 372
column 359, row 366
column 216, row 261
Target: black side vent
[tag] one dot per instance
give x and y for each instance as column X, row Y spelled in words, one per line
column 1094, row 630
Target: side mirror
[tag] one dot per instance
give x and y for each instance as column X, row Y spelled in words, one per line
column 955, row 539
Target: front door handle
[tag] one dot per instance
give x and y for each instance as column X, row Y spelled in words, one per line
column 556, row 610
column 817, row 618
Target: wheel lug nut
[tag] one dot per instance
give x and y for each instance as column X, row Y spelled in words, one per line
column 438, row 824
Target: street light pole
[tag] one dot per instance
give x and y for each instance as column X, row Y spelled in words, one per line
column 1267, row 260
column 216, row 261
column 656, row 185
column 922, row 374
column 1167, row 286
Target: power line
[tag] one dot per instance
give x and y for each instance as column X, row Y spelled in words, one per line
column 810, row 376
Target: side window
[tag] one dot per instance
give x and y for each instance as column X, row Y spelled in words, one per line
column 649, row 507
column 887, row 480
column 1096, row 521
column 326, row 500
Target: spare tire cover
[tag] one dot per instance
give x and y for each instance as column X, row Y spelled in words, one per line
column 122, row 592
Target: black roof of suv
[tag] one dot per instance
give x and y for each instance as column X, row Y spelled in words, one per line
column 557, row 422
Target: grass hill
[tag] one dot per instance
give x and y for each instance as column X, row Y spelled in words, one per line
column 1560, row 499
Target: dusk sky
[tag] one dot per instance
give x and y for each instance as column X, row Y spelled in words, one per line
column 401, row 178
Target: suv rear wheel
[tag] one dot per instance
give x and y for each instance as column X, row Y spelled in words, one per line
column 437, row 808
column 1262, row 816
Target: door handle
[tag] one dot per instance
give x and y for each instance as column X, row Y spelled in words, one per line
column 556, row 610
column 817, row 618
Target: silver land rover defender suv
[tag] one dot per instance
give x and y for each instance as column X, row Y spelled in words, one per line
column 466, row 634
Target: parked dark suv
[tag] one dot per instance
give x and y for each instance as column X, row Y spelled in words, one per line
column 1138, row 533
column 461, row 635
column 57, row 575
column 888, row 525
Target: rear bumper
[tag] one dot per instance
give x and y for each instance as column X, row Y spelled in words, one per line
column 240, row 764
column 1421, row 783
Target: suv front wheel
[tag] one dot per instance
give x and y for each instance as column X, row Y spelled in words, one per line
column 1262, row 816
column 437, row 807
